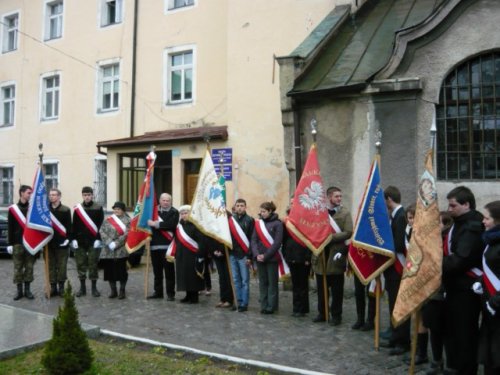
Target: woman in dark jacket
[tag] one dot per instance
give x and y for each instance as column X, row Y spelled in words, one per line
column 265, row 244
column 489, row 336
column 298, row 258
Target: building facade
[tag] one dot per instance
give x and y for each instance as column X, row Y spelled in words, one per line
column 381, row 72
column 100, row 82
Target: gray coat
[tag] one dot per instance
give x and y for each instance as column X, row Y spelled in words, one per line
column 110, row 234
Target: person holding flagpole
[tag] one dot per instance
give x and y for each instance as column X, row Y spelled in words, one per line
column 489, row 335
column 265, row 244
column 58, row 246
column 114, row 255
column 86, row 241
column 23, row 260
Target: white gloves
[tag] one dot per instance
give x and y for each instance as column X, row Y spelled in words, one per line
column 74, row 244
column 10, row 249
column 97, row 244
column 337, row 256
column 112, row 246
column 491, row 310
column 477, row 288
column 65, row 243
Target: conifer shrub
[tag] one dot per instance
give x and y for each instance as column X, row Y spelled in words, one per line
column 68, row 352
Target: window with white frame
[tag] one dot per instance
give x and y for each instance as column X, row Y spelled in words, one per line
column 53, row 20
column 111, row 12
column 10, row 25
column 176, row 4
column 6, row 185
column 50, row 97
column 51, row 172
column 109, row 87
column 180, row 75
column 7, row 110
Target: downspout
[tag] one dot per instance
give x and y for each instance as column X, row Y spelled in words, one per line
column 297, row 145
column 134, row 63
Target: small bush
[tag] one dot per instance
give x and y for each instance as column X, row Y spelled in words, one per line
column 68, row 352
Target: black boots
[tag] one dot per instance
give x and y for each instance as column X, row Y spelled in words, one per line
column 83, row 289
column 114, row 292
column 53, row 289
column 421, row 356
column 95, row 292
column 122, row 290
column 27, row 291
column 61, row 288
column 19, row 293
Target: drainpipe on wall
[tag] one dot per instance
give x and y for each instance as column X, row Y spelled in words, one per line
column 134, row 57
column 297, row 145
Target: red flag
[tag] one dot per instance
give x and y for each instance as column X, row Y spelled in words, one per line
column 308, row 219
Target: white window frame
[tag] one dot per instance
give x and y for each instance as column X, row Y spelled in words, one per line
column 3, row 101
column 104, row 20
column 49, row 17
column 50, row 177
column 172, row 6
column 11, row 179
column 8, row 31
column 167, row 58
column 55, row 91
column 100, row 187
column 114, row 80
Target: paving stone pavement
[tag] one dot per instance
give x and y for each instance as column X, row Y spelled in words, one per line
column 279, row 338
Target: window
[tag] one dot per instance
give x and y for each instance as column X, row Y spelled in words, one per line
column 10, row 29
column 176, row 4
column 8, row 98
column 100, row 180
column 180, row 75
column 111, row 12
column 109, row 87
column 468, row 121
column 6, row 185
column 54, row 20
column 51, row 174
column 50, row 97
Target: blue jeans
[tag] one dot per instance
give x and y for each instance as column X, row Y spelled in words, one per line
column 241, row 278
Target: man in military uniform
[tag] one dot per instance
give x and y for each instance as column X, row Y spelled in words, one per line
column 163, row 234
column 58, row 246
column 23, row 260
column 86, row 241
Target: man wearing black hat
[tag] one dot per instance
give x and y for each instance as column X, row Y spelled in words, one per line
column 86, row 241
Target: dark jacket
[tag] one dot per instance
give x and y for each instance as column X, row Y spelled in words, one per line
column 189, row 266
column 489, row 337
column 246, row 223
column 63, row 214
column 275, row 228
column 398, row 228
column 15, row 232
column 80, row 231
column 169, row 222
column 465, row 252
column 293, row 252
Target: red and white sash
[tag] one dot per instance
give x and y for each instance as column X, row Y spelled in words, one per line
column 491, row 281
column 334, row 225
column 82, row 214
column 400, row 262
column 115, row 221
column 186, row 241
column 171, row 251
column 239, row 235
column 283, row 268
column 57, row 225
column 165, row 233
column 264, row 236
column 16, row 211
column 473, row 272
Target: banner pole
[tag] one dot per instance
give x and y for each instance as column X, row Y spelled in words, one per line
column 325, row 290
column 415, row 316
column 235, row 300
column 377, row 313
column 146, row 271
column 47, row 276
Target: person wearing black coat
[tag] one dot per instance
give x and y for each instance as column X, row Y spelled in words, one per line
column 489, row 335
column 462, row 306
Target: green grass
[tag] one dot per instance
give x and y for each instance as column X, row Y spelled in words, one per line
column 113, row 357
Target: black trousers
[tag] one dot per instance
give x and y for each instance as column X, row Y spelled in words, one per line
column 300, row 287
column 401, row 333
column 335, row 289
column 462, row 309
column 226, row 292
column 434, row 318
column 163, row 268
column 360, row 293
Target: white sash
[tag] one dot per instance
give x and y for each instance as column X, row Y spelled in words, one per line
column 61, row 229
column 493, row 280
column 16, row 211
column 86, row 219
column 119, row 223
column 185, row 239
column 239, row 232
column 263, row 230
column 334, row 225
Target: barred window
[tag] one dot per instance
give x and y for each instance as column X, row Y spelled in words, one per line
column 468, row 121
